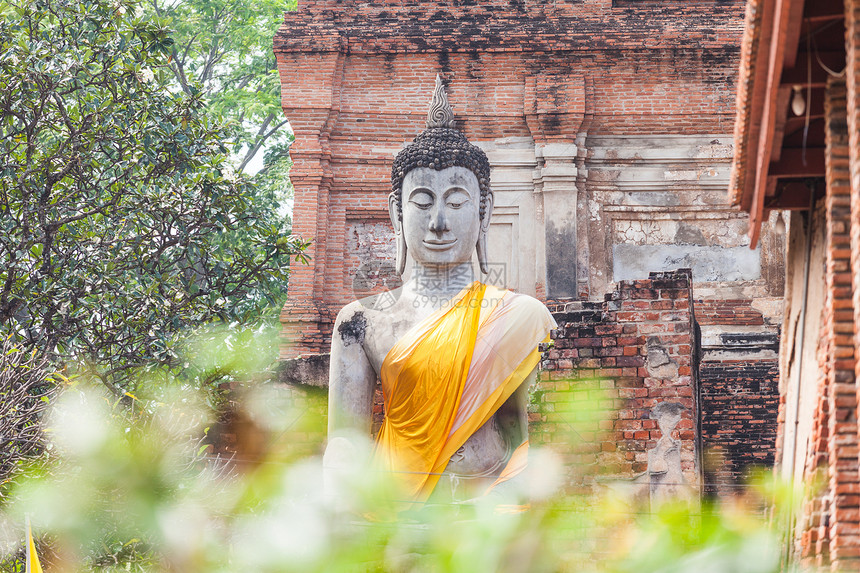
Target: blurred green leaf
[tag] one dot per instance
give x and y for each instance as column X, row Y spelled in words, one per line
column 136, row 489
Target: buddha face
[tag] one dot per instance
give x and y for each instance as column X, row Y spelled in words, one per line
column 441, row 214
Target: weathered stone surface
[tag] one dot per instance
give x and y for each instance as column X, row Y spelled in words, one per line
column 709, row 264
column 665, row 477
column 309, row 370
column 658, row 360
column 736, row 342
column 440, row 208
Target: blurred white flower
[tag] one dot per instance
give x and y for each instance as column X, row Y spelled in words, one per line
column 79, row 423
column 295, row 532
column 184, row 528
column 545, row 471
column 9, row 532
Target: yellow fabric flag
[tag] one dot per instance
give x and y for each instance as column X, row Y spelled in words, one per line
column 33, row 565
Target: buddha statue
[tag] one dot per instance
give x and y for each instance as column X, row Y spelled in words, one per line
column 454, row 356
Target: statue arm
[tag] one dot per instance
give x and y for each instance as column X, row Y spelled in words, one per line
column 514, row 423
column 351, row 376
column 513, row 414
column 515, row 420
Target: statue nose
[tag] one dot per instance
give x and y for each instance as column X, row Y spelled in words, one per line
column 438, row 221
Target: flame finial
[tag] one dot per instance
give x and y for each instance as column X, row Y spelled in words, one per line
column 440, row 113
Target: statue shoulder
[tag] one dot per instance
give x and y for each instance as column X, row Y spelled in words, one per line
column 528, row 310
column 351, row 324
column 357, row 319
column 529, row 303
column 349, row 311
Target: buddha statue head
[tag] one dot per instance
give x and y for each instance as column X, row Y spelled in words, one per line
column 440, row 203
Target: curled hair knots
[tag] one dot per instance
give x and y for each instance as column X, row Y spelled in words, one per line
column 439, row 148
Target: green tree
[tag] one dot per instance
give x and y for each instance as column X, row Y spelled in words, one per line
column 123, row 221
column 225, row 47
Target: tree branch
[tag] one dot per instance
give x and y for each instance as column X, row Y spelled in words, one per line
column 260, row 139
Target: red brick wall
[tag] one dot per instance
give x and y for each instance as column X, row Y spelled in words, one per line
column 845, row 510
column 739, row 397
column 374, row 26
column 738, row 312
column 852, row 79
column 814, row 525
column 739, row 421
column 599, row 358
column 829, row 531
column 852, row 84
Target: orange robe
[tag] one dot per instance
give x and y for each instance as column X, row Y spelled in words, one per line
column 449, row 374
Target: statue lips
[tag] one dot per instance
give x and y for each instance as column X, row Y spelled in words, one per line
column 439, row 245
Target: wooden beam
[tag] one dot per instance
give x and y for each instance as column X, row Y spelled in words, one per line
column 768, row 118
column 799, row 75
column 793, row 124
column 817, row 11
column 794, row 163
column 758, row 67
column 783, row 99
column 796, row 124
column 793, row 195
column 814, row 138
column 792, row 32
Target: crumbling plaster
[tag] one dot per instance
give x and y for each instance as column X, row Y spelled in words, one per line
column 659, row 202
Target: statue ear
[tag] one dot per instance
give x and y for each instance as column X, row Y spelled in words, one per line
column 400, row 238
column 482, row 234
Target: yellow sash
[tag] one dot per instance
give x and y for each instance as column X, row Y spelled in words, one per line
column 427, row 418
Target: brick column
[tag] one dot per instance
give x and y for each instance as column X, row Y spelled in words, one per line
column 852, row 71
column 312, row 105
column 839, row 339
column 626, row 356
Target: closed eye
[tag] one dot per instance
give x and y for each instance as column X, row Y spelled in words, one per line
column 456, row 198
column 421, row 199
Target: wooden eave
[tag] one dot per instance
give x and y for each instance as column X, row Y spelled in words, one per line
column 773, row 149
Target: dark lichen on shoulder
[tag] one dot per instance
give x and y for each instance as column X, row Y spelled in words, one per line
column 352, row 331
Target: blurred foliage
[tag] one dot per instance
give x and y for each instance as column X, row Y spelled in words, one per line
column 123, row 221
column 136, row 488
